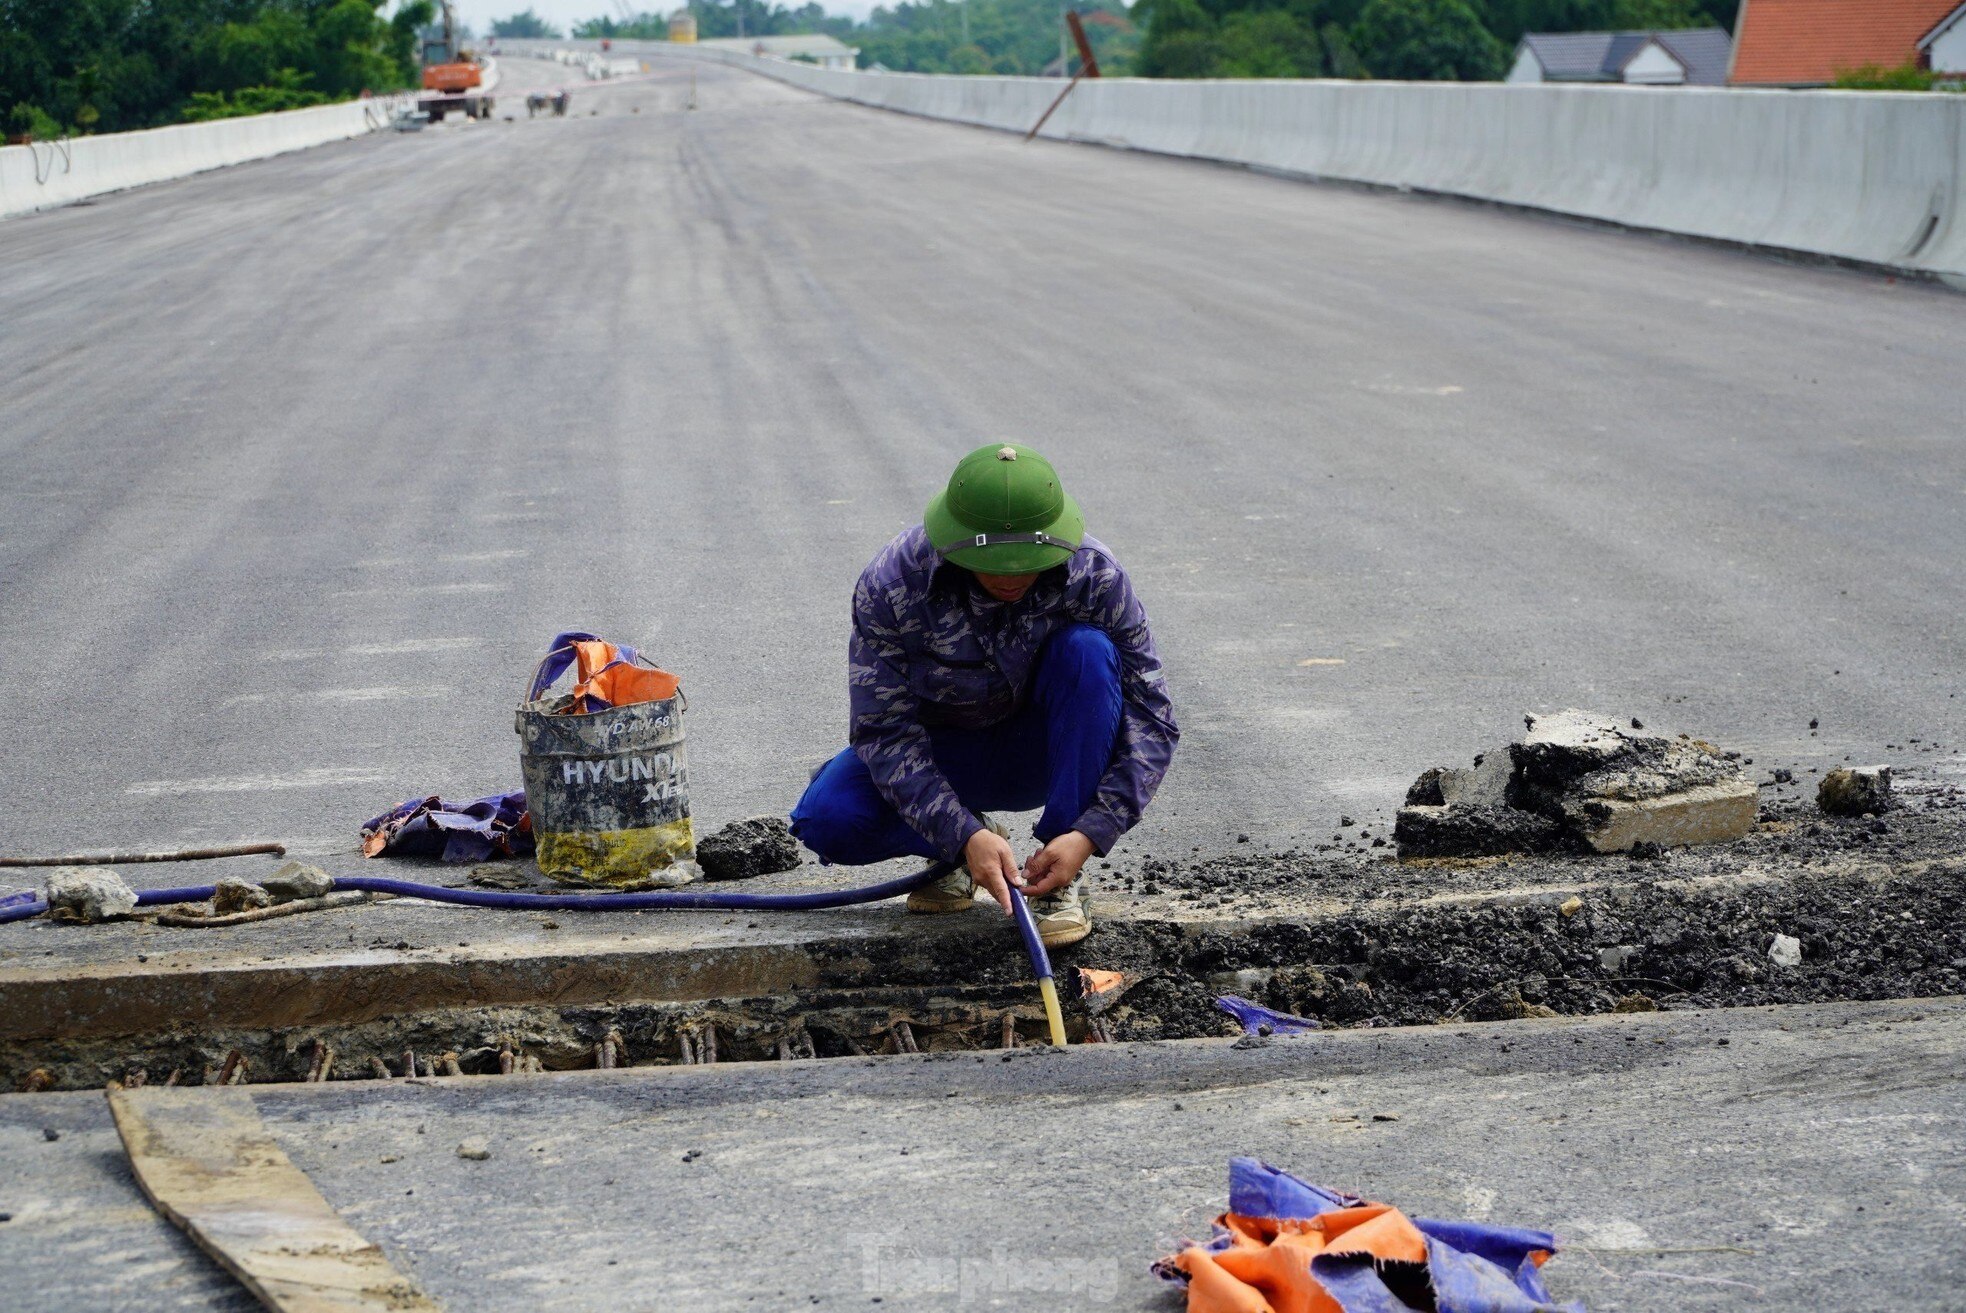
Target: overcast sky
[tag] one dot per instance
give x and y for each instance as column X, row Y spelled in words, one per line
column 564, row 13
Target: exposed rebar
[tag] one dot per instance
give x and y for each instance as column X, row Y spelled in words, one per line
column 194, row 921
column 173, row 855
column 323, row 1063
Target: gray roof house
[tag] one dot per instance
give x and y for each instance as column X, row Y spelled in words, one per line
column 1692, row 57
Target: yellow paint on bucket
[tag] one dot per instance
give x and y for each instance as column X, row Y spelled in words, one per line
column 621, row 859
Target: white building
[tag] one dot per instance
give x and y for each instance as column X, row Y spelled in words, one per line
column 1943, row 49
column 1694, row 57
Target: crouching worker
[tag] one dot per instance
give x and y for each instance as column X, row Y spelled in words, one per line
column 999, row 662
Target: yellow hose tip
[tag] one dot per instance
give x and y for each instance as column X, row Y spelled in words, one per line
column 1052, row 1015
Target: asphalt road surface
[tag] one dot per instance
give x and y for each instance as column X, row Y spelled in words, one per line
column 1812, row 1160
column 306, row 460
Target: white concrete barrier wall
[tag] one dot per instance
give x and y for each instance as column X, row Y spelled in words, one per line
column 39, row 176
column 1867, row 176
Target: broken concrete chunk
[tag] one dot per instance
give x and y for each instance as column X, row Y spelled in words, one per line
column 1601, row 783
column 1786, row 951
column 298, row 880
column 1425, row 791
column 1574, row 754
column 233, row 894
column 1463, row 831
column 742, row 849
column 88, row 894
column 1485, row 784
column 1710, row 813
column 1613, row 959
column 1562, row 748
column 1854, row 790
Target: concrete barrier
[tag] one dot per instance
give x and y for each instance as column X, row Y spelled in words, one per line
column 39, row 176
column 1869, row 177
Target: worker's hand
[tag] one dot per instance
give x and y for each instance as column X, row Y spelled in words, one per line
column 1055, row 865
column 992, row 864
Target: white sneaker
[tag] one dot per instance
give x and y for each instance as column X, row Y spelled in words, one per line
column 954, row 892
column 1062, row 916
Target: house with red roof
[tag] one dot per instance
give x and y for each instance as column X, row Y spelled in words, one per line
column 1807, row 43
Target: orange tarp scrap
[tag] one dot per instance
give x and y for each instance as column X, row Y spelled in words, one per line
column 1267, row 1266
column 605, row 675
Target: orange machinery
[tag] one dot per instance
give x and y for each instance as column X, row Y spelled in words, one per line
column 451, row 79
column 460, row 76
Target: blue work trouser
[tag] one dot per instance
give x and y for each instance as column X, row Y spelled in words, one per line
column 1051, row 754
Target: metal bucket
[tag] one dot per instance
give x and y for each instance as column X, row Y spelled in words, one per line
column 609, row 793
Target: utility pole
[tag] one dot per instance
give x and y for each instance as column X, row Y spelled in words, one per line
column 964, row 6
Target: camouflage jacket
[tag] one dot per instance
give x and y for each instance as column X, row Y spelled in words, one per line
column 931, row 648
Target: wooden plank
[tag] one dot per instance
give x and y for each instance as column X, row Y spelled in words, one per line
column 208, row 1163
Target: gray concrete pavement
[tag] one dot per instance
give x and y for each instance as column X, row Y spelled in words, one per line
column 1781, row 1157
column 306, row 460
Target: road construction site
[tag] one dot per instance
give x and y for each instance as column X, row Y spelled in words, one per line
column 311, row 455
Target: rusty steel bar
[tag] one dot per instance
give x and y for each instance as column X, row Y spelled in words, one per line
column 173, row 855
column 323, row 1063
column 1088, row 63
column 1088, row 68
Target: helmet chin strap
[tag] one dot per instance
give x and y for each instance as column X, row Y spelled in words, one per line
column 998, row 539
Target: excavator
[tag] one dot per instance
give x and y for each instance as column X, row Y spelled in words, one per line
column 453, row 79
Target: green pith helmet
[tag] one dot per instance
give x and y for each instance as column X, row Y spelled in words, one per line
column 1004, row 513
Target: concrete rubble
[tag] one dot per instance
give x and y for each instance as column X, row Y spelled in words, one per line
column 232, row 894
column 88, row 894
column 1579, row 781
column 297, row 880
column 761, row 845
column 1855, row 791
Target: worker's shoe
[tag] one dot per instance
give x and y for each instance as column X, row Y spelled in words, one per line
column 954, row 892
column 1062, row 916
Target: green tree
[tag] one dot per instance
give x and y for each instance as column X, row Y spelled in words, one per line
column 112, row 65
column 1427, row 41
column 1269, row 44
column 1509, row 19
column 525, row 23
column 1875, row 77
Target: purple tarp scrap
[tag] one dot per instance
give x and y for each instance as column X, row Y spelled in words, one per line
column 1252, row 1016
column 497, row 826
column 560, row 657
column 1469, row 1267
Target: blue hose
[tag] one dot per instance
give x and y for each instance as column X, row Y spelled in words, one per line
column 31, row 904
column 25, row 904
column 1020, row 910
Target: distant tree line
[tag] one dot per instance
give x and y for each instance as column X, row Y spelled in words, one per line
column 78, row 66
column 1418, row 39
column 1018, row 37
column 525, row 24
column 1428, row 40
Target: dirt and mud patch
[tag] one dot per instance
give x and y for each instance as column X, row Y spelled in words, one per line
column 1346, row 936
